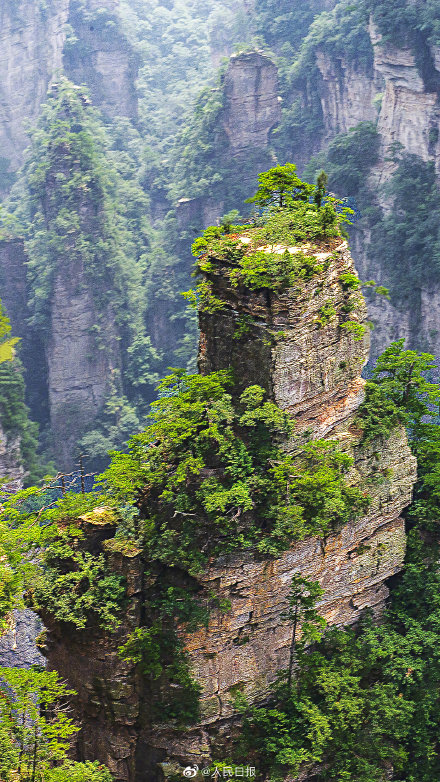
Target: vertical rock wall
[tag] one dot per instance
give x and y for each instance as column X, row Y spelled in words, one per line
column 103, row 58
column 313, row 372
column 33, row 52
column 80, row 367
column 400, row 92
column 251, row 96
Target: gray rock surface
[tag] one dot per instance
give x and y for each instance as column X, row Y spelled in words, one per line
column 252, row 106
column 17, row 645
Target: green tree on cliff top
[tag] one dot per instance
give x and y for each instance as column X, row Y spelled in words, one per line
column 281, row 186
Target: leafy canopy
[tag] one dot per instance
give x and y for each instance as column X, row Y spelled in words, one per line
column 35, row 730
column 281, row 186
column 214, row 477
column 7, row 343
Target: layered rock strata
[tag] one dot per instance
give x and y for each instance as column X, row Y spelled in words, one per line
column 251, row 109
column 312, row 372
column 31, row 50
column 110, row 691
column 252, row 105
column 400, row 91
column 80, row 369
column 312, row 369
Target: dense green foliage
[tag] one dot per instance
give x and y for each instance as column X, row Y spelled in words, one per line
column 348, row 160
column 364, row 701
column 280, row 23
column 42, row 557
column 407, row 238
column 281, row 187
column 85, row 223
column 215, row 479
column 399, row 20
column 14, row 418
column 208, row 476
column 7, row 343
column 175, row 43
column 35, row 730
column 294, row 213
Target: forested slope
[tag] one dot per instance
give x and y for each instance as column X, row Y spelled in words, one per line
column 87, row 231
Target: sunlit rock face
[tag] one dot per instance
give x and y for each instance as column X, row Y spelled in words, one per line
column 312, row 372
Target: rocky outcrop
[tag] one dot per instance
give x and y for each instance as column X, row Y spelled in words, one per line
column 409, row 110
column 251, row 101
column 251, row 109
column 80, row 368
column 243, row 649
column 17, row 646
column 110, row 691
column 347, row 93
column 102, row 58
column 400, row 91
column 390, row 89
column 311, row 372
column 312, row 369
column 302, row 366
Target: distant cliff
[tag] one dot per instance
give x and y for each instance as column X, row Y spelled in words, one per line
column 345, row 73
column 36, row 42
column 403, row 98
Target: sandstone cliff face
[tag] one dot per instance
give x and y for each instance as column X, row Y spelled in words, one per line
column 252, row 107
column 70, row 374
column 110, row 691
column 313, row 372
column 31, row 50
column 407, row 107
column 409, row 110
column 80, row 370
column 32, row 54
column 304, row 370
column 12, row 472
column 409, row 115
column 251, row 110
column 347, row 92
column 103, row 58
